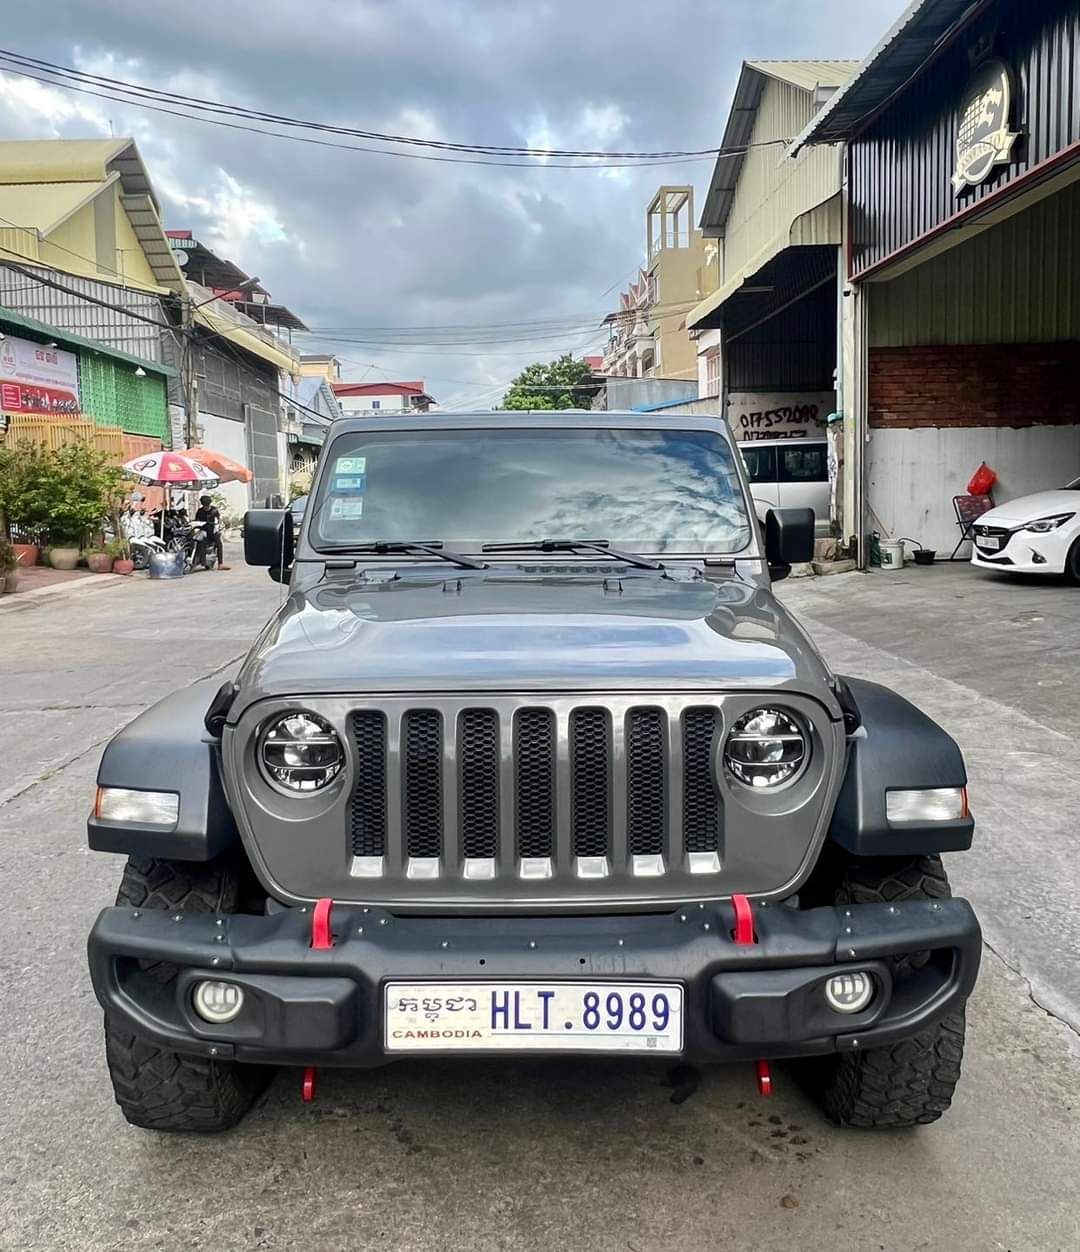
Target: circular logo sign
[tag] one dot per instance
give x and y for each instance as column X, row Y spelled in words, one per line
column 983, row 138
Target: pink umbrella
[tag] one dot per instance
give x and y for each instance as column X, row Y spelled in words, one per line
column 170, row 469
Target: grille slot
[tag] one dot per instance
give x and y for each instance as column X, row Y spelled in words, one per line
column 534, row 761
column 701, row 801
column 646, row 782
column 590, row 781
column 367, row 805
column 421, row 778
column 478, row 754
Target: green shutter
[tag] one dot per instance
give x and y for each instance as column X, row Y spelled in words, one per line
column 113, row 395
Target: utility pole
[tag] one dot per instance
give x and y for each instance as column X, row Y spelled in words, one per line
column 188, row 378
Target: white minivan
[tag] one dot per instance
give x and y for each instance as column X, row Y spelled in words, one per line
column 789, row 474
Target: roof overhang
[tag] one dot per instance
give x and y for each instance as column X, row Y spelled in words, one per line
column 923, row 28
column 785, row 277
column 142, row 214
column 60, row 336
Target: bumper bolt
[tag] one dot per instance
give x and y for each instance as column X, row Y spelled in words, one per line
column 359, row 930
column 532, row 943
column 382, row 921
column 682, row 917
column 178, row 917
column 219, row 938
column 847, row 930
column 706, row 926
column 136, row 913
column 213, row 1051
column 215, row 960
column 619, row 942
column 220, row 921
column 851, row 951
column 445, row 943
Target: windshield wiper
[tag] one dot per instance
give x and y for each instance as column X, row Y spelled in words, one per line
column 387, row 547
column 572, row 545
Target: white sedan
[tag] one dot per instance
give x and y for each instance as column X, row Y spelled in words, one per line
column 1038, row 534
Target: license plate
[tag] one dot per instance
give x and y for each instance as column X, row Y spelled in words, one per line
column 533, row 1017
column 991, row 542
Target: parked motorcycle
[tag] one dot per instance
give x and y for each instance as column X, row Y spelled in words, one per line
column 193, row 541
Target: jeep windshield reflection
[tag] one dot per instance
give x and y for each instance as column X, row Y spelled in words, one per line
column 643, row 490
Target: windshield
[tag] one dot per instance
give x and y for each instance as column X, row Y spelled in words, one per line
column 647, row 490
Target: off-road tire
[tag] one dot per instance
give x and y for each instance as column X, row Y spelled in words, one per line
column 162, row 1090
column 155, row 1087
column 910, row 1083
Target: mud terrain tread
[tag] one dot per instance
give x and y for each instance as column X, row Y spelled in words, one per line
column 909, row 1084
column 162, row 1090
column 887, row 882
column 187, row 887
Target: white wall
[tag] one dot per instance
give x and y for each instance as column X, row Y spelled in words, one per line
column 389, row 402
column 912, row 475
column 226, row 436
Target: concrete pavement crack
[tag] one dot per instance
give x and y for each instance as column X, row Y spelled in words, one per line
column 1064, row 1021
column 59, row 768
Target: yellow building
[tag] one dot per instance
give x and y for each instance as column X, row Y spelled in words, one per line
column 84, row 207
column 648, row 336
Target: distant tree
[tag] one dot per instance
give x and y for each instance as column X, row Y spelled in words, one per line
column 561, row 384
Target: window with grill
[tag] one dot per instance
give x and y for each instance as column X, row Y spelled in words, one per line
column 712, row 372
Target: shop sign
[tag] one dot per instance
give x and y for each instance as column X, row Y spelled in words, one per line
column 983, row 137
column 779, row 414
column 36, row 379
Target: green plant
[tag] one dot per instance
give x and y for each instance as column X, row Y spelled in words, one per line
column 7, row 557
column 66, row 492
column 119, row 549
column 563, row 384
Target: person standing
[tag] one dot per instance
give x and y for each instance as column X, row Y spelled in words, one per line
column 209, row 516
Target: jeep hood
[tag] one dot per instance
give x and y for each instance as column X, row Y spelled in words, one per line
column 424, row 628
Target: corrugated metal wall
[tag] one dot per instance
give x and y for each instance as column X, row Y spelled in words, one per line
column 795, row 350
column 773, row 190
column 69, row 312
column 901, row 165
column 1018, row 282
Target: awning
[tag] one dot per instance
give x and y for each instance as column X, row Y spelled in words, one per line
column 80, row 341
column 250, row 340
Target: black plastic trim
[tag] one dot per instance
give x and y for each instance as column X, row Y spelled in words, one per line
column 313, row 1006
column 168, row 748
column 896, row 747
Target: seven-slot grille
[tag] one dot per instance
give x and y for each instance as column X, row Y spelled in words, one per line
column 533, row 792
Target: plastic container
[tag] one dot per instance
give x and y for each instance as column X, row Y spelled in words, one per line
column 924, row 556
column 166, row 565
column 892, row 555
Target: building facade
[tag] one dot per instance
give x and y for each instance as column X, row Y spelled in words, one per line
column 961, row 312
column 766, row 339
column 379, row 399
column 647, row 332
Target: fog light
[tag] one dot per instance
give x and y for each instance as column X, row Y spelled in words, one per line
column 218, row 1002
column 847, row 993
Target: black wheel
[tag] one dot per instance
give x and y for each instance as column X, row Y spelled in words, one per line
column 1072, row 563
column 140, row 557
column 910, row 1083
column 157, row 1088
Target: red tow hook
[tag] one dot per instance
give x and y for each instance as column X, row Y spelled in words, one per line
column 322, row 937
column 743, row 935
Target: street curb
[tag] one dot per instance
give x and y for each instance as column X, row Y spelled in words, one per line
column 29, row 599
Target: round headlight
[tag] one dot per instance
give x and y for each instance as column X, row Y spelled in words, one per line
column 301, row 752
column 766, row 747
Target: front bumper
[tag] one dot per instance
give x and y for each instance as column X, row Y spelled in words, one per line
column 1024, row 551
column 311, row 1006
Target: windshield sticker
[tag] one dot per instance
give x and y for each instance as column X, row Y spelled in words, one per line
column 351, row 465
column 347, row 510
column 351, row 486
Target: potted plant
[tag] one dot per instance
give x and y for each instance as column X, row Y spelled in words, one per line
column 9, row 578
column 74, row 488
column 120, row 551
column 99, row 560
column 20, row 466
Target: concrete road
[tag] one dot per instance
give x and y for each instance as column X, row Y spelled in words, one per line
column 604, row 1156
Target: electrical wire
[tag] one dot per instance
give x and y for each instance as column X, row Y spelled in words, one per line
column 141, row 93
column 10, row 62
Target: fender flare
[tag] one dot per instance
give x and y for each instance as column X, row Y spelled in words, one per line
column 895, row 747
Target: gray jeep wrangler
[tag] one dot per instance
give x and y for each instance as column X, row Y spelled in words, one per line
column 531, row 760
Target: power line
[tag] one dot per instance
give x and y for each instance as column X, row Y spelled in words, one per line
column 66, row 79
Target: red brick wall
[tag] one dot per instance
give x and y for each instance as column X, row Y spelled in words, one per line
column 1028, row 384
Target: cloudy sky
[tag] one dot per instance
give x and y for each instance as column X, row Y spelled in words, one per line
column 358, row 240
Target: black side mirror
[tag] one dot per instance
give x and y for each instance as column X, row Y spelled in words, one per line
column 789, row 539
column 268, row 538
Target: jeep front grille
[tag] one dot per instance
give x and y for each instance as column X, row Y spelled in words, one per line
column 532, row 792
